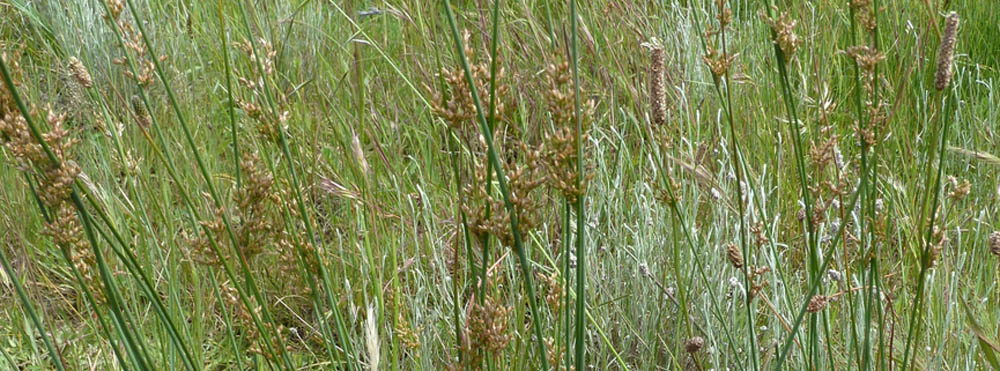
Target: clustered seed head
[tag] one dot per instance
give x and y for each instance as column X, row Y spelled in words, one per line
column 560, row 151
column 271, row 118
column 142, row 69
column 946, row 53
column 657, row 88
column 408, row 336
column 694, row 344
column 734, row 256
column 866, row 14
column 115, row 8
column 556, row 352
column 55, row 171
column 822, row 153
column 455, row 105
column 80, row 73
column 670, row 193
column 994, row 243
column 718, row 62
column 487, row 326
column 57, row 175
column 488, row 214
column 255, row 220
column 244, row 315
column 866, row 57
column 67, row 233
column 817, row 303
column 758, row 281
column 784, row 33
column 959, row 189
column 725, row 16
column 757, row 229
column 939, row 240
column 554, row 291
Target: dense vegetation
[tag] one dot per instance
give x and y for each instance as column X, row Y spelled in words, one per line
column 477, row 184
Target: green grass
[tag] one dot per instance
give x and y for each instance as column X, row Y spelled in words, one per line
column 373, row 252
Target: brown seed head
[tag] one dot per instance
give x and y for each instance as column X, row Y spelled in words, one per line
column 694, row 344
column 734, row 256
column 657, row 90
column 817, row 303
column 784, row 33
column 995, row 243
column 80, row 73
column 946, row 52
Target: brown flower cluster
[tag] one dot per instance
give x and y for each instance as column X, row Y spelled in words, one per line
column 817, row 303
column 487, row 212
column 754, row 274
column 271, row 119
column 256, row 221
column 719, row 61
column 244, row 316
column 560, row 150
column 866, row 14
column 80, row 73
column 867, row 58
column 54, row 170
column 143, row 69
column 487, row 327
column 456, row 106
column 784, row 33
column 554, row 290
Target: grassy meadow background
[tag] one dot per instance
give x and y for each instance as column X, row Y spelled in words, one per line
column 308, row 185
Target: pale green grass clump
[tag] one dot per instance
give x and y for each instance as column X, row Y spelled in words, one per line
column 499, row 185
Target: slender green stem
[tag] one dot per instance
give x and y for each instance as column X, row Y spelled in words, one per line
column 231, row 106
column 926, row 255
column 581, row 225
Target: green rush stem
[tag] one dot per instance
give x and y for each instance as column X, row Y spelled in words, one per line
column 871, row 174
column 925, row 258
column 566, row 236
column 502, row 184
column 296, row 191
column 494, row 63
column 453, row 149
column 737, row 168
column 227, row 269
column 88, row 297
column 799, row 152
column 130, row 260
column 581, row 252
column 862, row 187
column 136, row 348
column 224, row 39
column 794, row 127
